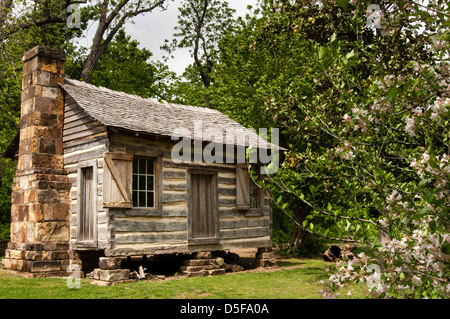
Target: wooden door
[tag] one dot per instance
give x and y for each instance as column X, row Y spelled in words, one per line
column 87, row 213
column 203, row 208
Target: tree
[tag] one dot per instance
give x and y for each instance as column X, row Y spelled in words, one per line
column 45, row 23
column 111, row 17
column 260, row 64
column 18, row 33
column 31, row 14
column 201, row 24
column 364, row 110
column 127, row 68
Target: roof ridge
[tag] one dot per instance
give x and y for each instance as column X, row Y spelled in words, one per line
column 104, row 89
column 134, row 96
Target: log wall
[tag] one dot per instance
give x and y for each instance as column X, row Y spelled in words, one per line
column 84, row 142
column 164, row 229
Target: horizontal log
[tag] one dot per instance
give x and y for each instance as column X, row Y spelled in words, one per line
column 127, row 238
column 173, row 186
column 130, row 249
column 245, row 232
column 173, row 174
column 166, row 212
column 152, row 225
column 87, row 145
column 174, row 197
column 84, row 133
column 222, row 168
column 243, row 222
column 225, row 202
column 103, row 135
column 73, row 109
column 82, row 127
column 76, row 117
column 237, row 213
column 81, row 122
column 227, row 191
column 93, row 153
column 227, row 180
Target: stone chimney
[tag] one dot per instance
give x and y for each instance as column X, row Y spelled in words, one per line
column 40, row 194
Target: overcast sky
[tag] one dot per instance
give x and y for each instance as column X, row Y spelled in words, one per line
column 153, row 28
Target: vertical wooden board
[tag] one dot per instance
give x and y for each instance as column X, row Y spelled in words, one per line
column 211, row 207
column 109, row 187
column 87, row 197
column 203, row 211
column 196, row 207
column 117, row 180
column 82, row 205
column 242, row 187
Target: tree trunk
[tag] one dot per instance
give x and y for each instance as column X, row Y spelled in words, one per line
column 299, row 235
column 107, row 27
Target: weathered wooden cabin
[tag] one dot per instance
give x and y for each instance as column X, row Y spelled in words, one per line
column 103, row 171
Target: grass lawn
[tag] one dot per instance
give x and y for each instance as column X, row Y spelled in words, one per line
column 295, row 279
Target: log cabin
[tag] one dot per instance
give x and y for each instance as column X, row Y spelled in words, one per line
column 104, row 173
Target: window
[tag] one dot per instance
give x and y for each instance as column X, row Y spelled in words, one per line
column 143, row 183
column 254, row 194
column 248, row 194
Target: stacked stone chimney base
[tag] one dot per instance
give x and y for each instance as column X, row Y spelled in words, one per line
column 41, row 191
column 37, row 260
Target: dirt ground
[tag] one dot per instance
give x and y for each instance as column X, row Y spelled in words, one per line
column 247, row 252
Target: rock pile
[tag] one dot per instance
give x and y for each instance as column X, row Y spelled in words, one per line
column 338, row 252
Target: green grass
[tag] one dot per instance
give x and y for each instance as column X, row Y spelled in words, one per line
column 296, row 279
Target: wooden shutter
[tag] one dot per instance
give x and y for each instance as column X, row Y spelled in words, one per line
column 117, row 180
column 242, row 187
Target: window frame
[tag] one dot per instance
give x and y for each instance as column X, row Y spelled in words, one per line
column 247, row 209
column 260, row 194
column 83, row 243
column 157, row 182
column 138, row 190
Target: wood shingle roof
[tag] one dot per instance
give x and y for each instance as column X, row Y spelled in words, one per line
column 134, row 113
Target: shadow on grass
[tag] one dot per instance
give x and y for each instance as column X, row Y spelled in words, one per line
column 316, row 272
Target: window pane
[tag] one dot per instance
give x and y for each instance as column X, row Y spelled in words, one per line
column 150, row 165
column 142, row 182
column 142, row 166
column 142, row 199
column 253, row 194
column 150, row 199
column 135, row 198
column 150, row 183
column 135, row 165
column 135, row 182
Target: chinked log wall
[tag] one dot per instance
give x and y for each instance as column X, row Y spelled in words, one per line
column 84, row 139
column 143, row 231
column 135, row 231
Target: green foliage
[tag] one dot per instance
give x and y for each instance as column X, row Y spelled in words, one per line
column 201, row 25
column 363, row 112
column 125, row 67
column 22, row 39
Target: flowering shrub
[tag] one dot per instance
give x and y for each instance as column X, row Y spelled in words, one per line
column 361, row 91
column 409, row 119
